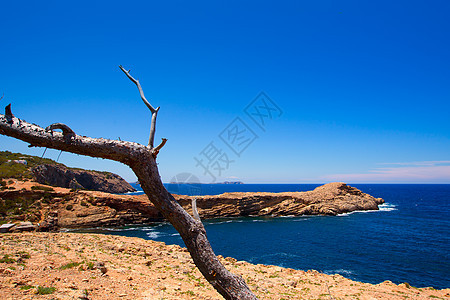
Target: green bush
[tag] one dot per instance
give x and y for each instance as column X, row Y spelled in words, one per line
column 7, row 259
column 24, row 254
column 70, row 265
column 19, row 171
column 45, row 290
column 42, row 188
column 26, row 287
column 17, row 205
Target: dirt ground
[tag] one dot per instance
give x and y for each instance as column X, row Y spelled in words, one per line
column 95, row 266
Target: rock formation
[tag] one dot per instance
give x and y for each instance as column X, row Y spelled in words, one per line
column 64, row 208
column 329, row 199
column 60, row 175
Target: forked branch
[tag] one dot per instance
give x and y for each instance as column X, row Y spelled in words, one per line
column 152, row 109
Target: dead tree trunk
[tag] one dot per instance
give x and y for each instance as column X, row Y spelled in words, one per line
column 142, row 160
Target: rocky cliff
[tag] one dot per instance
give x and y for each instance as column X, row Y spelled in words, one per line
column 61, row 176
column 64, row 208
column 329, row 199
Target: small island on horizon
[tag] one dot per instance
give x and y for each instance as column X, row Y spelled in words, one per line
column 224, row 182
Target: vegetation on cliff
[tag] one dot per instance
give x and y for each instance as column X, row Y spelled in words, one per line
column 49, row 172
column 17, row 165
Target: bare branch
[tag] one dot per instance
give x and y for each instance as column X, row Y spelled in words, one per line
column 194, row 209
column 40, row 137
column 152, row 110
column 139, row 88
column 2, row 96
column 155, row 151
column 151, row 137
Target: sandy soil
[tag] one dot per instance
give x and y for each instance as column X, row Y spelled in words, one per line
column 94, row 266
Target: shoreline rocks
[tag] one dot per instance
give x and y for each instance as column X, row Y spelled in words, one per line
column 64, row 208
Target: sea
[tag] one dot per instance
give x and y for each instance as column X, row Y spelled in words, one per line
column 406, row 240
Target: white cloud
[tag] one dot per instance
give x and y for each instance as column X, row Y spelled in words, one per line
column 412, row 172
column 420, row 163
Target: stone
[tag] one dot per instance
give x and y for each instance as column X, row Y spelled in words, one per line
column 6, row 227
column 101, row 266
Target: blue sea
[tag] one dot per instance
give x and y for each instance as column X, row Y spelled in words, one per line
column 407, row 240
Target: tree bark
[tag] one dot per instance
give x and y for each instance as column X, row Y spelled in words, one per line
column 142, row 161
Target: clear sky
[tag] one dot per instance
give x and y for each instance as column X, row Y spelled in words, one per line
column 354, row 91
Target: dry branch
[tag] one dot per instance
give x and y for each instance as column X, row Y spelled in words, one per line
column 155, row 151
column 152, row 110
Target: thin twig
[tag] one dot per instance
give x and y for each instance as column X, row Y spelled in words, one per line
column 139, row 88
column 329, row 293
column 152, row 109
column 155, row 151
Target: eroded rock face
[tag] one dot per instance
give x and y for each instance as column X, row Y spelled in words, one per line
column 59, row 175
column 97, row 209
column 329, row 199
column 62, row 208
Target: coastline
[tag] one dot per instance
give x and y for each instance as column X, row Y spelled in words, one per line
column 98, row 266
column 372, row 250
column 58, row 207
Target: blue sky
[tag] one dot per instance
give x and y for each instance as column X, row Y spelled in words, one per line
column 359, row 91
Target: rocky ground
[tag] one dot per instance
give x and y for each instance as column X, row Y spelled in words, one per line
column 95, row 266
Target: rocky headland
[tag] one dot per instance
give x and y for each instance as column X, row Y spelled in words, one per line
column 54, row 207
column 62, row 176
column 94, row 266
column 49, row 172
column 329, row 199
